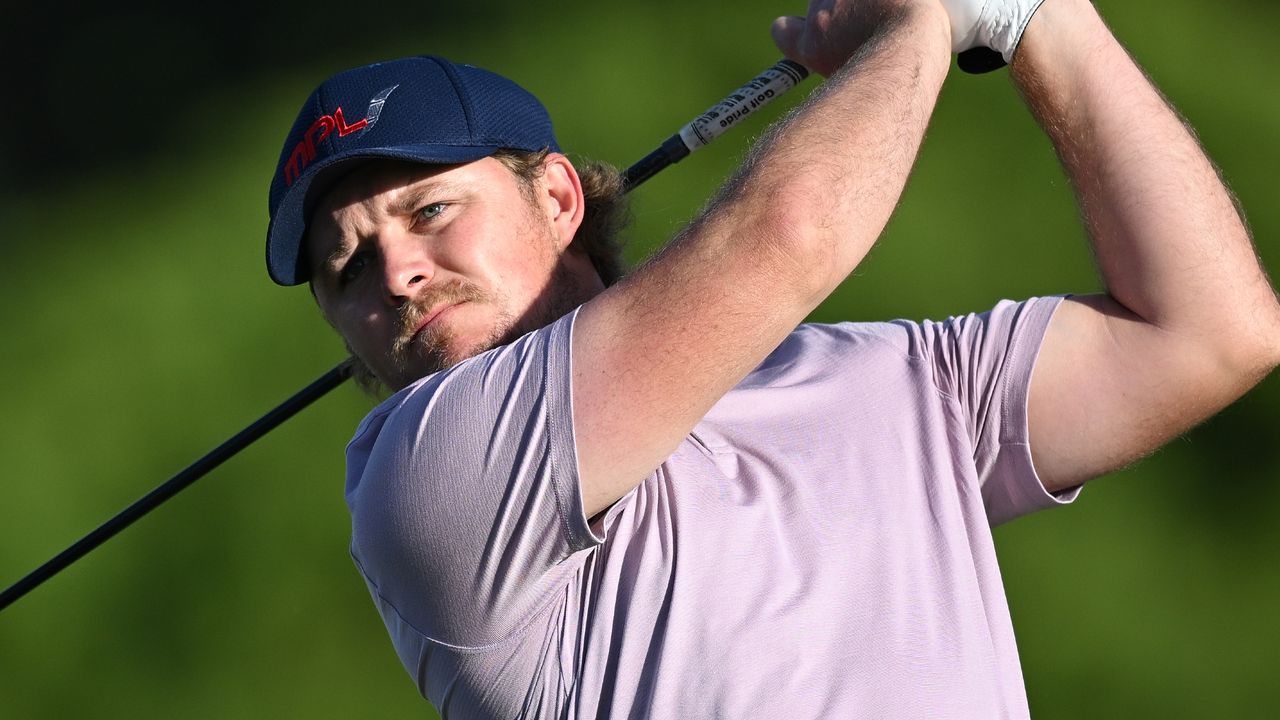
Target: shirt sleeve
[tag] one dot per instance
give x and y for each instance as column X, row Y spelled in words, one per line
column 463, row 491
column 984, row 362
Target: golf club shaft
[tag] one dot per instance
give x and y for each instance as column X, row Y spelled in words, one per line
column 744, row 101
column 171, row 487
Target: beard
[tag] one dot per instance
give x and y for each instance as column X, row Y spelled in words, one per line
column 414, row 355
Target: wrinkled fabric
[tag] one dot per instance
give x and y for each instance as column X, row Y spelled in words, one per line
column 818, row 546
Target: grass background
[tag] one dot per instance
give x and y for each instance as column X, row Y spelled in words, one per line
column 140, row 330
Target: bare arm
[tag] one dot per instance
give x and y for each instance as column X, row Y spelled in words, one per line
column 654, row 353
column 1189, row 321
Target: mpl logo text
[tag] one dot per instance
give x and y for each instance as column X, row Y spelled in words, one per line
column 305, row 151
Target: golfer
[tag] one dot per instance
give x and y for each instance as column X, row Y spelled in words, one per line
column 659, row 495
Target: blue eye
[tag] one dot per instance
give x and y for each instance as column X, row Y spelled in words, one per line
column 430, row 211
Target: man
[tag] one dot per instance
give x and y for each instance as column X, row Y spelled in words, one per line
column 659, row 497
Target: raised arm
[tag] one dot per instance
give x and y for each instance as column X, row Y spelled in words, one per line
column 652, row 354
column 1189, row 321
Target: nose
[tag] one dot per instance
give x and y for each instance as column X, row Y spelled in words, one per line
column 407, row 269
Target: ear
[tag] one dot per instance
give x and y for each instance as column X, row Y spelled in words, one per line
column 561, row 197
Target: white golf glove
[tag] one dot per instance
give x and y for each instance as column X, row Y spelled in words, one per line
column 979, row 27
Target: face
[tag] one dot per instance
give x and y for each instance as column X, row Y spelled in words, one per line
column 419, row 267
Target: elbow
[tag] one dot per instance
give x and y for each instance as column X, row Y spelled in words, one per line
column 811, row 261
column 1228, row 357
column 1273, row 345
column 1253, row 351
column 794, row 244
column 1268, row 337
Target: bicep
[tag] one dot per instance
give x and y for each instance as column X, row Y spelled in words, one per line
column 652, row 354
column 1109, row 387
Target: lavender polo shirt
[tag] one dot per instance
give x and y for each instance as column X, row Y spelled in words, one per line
column 819, row 546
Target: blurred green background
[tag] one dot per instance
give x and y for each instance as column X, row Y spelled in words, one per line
column 140, row 329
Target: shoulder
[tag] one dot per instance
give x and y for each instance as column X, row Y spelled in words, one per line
column 922, row 338
column 815, row 342
column 451, row 412
column 859, row 351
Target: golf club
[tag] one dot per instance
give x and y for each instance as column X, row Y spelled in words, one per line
column 739, row 104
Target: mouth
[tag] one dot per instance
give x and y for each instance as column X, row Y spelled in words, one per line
column 433, row 317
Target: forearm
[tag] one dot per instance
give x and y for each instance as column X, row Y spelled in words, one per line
column 1169, row 242
column 827, row 179
column 652, row 354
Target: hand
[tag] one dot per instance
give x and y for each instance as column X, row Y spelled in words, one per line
column 982, row 28
column 836, row 29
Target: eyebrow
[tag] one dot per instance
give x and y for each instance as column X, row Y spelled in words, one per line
column 408, row 204
column 330, row 262
column 416, row 196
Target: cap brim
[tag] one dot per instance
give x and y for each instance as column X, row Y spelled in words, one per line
column 286, row 262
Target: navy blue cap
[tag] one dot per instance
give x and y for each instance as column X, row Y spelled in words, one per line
column 423, row 109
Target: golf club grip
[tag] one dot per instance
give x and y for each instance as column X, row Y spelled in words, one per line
column 758, row 92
